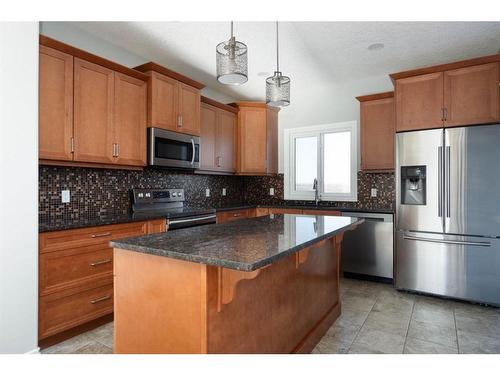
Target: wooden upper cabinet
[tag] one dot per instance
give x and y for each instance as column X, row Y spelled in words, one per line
column 208, row 127
column 55, row 104
column 226, row 130
column 162, row 102
column 472, row 95
column 377, row 131
column 272, row 141
column 93, row 112
column 189, row 109
column 218, row 129
column 419, row 102
column 257, row 139
column 130, row 120
column 173, row 100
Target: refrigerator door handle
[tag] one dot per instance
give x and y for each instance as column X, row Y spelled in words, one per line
column 447, row 182
column 452, row 242
column 440, row 181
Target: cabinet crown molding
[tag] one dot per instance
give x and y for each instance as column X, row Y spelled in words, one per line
column 444, row 67
column 381, row 95
column 220, row 105
column 84, row 55
column 152, row 66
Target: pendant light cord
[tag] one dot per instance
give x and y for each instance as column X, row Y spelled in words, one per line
column 231, row 29
column 277, row 49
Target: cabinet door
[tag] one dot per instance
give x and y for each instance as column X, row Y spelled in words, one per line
column 162, row 102
column 130, row 120
column 419, row 102
column 189, row 109
column 252, row 141
column 93, row 126
column 272, row 141
column 226, row 127
column 55, row 104
column 471, row 95
column 377, row 134
column 208, row 133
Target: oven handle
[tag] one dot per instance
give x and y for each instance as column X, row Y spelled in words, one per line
column 451, row 242
column 194, row 150
column 180, row 221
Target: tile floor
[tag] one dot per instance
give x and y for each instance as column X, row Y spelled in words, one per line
column 375, row 318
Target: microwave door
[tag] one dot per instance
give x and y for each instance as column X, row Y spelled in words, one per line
column 472, row 177
column 419, row 184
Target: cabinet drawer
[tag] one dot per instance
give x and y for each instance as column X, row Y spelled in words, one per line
column 78, row 267
column 68, row 239
column 285, row 211
column 61, row 311
column 233, row 215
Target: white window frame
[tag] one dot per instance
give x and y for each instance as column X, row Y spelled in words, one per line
column 319, row 131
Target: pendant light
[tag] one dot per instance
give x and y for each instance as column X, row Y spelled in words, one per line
column 232, row 61
column 278, row 85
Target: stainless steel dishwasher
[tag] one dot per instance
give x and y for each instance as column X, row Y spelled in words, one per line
column 368, row 250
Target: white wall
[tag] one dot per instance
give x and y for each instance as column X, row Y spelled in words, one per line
column 18, row 187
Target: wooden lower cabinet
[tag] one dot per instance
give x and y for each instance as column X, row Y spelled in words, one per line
column 224, row 216
column 186, row 307
column 76, row 274
column 285, row 211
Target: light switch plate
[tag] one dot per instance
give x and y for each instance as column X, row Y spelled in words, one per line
column 207, row 192
column 223, row 192
column 373, row 193
column 271, row 191
column 65, row 196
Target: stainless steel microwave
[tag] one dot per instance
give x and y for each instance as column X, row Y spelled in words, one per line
column 171, row 149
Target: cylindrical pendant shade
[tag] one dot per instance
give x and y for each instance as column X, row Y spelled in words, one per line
column 232, row 62
column 278, row 90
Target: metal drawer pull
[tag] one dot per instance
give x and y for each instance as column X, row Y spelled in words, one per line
column 236, row 215
column 101, row 235
column 100, row 299
column 451, row 242
column 100, row 262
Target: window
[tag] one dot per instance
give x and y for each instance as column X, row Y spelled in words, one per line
column 327, row 153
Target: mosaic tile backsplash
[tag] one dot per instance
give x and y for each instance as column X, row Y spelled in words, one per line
column 97, row 192
column 257, row 192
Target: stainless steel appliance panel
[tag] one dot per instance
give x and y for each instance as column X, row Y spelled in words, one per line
column 171, row 149
column 462, row 267
column 421, row 148
column 472, row 180
column 369, row 250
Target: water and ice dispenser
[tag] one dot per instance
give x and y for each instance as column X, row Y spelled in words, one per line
column 413, row 185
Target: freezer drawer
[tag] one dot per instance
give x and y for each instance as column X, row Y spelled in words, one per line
column 462, row 267
column 368, row 250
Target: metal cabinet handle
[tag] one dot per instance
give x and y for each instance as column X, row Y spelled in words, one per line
column 218, row 161
column 117, row 150
column 179, row 121
column 440, row 181
column 236, row 215
column 451, row 242
column 98, row 263
column 72, row 144
column 101, row 235
column 100, row 299
column 447, row 181
column 445, row 114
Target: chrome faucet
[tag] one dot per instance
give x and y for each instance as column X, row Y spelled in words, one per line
column 316, row 192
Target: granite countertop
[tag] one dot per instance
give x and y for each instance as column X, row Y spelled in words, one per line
column 121, row 218
column 244, row 245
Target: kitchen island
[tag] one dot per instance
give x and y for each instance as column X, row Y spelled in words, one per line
column 261, row 285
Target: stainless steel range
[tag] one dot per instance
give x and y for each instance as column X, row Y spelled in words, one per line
column 169, row 203
column 448, row 212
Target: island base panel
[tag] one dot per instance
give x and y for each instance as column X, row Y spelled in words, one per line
column 163, row 305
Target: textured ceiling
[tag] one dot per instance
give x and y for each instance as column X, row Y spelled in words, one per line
column 330, row 58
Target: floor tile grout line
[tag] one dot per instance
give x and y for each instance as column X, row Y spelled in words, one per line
column 362, row 325
column 408, row 328
column 456, row 330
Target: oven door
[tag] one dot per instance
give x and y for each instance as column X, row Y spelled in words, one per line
column 170, row 149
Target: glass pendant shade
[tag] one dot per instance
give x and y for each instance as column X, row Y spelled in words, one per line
column 278, row 85
column 278, row 90
column 232, row 61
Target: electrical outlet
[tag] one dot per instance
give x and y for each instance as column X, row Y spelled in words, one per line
column 271, row 191
column 373, row 193
column 65, row 196
column 207, row 192
column 223, row 192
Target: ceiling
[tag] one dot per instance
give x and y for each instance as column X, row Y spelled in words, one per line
column 316, row 55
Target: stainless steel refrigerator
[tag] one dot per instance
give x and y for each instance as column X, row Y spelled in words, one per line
column 448, row 212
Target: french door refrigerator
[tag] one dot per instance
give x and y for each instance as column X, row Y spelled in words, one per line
column 448, row 212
